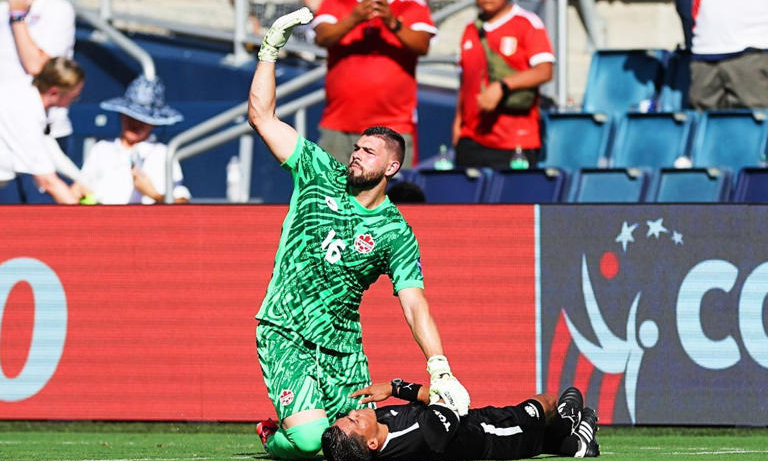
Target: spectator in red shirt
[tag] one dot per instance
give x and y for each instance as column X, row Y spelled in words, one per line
column 485, row 132
column 373, row 46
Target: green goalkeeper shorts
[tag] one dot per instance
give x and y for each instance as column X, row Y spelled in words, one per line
column 301, row 375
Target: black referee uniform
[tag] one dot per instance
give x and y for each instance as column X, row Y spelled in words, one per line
column 431, row 432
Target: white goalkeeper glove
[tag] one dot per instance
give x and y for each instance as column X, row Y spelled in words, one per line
column 443, row 385
column 278, row 34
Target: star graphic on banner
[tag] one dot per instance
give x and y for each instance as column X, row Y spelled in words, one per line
column 655, row 228
column 677, row 237
column 626, row 235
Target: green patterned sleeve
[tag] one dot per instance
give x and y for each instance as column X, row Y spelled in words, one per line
column 405, row 262
column 309, row 160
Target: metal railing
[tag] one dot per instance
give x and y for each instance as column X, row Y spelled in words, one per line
column 126, row 44
column 240, row 38
column 176, row 152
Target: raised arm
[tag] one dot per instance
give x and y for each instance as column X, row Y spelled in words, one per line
column 279, row 137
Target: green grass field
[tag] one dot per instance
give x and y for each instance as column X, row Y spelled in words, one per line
column 90, row 441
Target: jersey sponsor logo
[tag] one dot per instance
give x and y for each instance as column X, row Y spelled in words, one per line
column 331, row 202
column 467, row 45
column 364, row 243
column 532, row 411
column 286, row 397
column 394, row 413
column 444, row 420
column 508, row 45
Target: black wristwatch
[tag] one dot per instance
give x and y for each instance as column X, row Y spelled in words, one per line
column 395, row 385
column 398, row 25
column 504, row 87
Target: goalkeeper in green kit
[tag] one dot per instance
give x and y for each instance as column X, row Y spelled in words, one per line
column 341, row 233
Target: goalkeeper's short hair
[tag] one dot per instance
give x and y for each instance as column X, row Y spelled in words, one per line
column 392, row 138
column 338, row 446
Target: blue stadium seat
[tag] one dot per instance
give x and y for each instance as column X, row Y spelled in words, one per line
column 677, row 79
column 452, row 186
column 692, row 185
column 651, row 140
column 526, row 186
column 575, row 140
column 620, row 79
column 733, row 139
column 619, row 185
column 752, row 186
column 10, row 193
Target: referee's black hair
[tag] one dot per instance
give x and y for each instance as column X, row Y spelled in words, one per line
column 338, row 446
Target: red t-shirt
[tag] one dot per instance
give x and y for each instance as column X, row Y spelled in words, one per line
column 519, row 36
column 371, row 75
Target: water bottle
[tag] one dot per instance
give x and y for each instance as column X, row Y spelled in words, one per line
column 443, row 161
column 645, row 106
column 234, row 178
column 519, row 160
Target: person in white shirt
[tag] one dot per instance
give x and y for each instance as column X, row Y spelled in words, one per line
column 131, row 168
column 23, row 146
column 32, row 32
column 729, row 64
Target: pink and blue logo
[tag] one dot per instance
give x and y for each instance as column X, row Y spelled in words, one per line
column 643, row 307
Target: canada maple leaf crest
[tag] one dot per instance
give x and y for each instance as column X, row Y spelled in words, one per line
column 364, row 243
column 286, row 396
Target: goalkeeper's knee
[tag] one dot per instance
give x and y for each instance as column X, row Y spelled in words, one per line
column 298, row 442
column 307, row 436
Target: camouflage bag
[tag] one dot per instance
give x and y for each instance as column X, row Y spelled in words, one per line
column 520, row 100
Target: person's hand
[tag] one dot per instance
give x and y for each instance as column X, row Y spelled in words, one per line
column 80, row 189
column 362, row 11
column 281, row 29
column 444, row 386
column 381, row 9
column 19, row 5
column 374, row 393
column 490, row 96
column 143, row 184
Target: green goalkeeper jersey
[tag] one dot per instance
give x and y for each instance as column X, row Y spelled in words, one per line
column 331, row 250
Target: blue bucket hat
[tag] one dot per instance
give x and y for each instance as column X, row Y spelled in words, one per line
column 144, row 100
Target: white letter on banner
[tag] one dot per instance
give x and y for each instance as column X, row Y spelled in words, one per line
column 751, row 314
column 50, row 326
column 708, row 353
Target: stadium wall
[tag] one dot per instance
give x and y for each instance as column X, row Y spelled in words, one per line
column 146, row 313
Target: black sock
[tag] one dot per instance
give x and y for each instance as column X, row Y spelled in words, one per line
column 569, row 446
column 561, row 427
column 558, row 435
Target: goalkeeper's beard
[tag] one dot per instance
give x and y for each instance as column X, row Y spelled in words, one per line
column 363, row 180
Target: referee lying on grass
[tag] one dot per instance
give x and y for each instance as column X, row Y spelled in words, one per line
column 433, row 431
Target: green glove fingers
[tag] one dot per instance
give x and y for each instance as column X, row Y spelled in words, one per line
column 444, row 386
column 280, row 31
